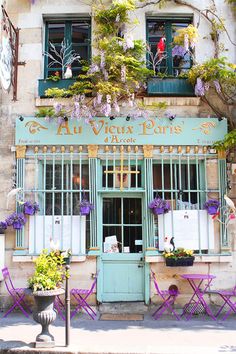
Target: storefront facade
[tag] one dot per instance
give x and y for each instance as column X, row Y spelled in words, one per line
column 110, row 164
column 118, row 163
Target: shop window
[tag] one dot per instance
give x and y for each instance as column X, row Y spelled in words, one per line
column 76, row 36
column 160, row 33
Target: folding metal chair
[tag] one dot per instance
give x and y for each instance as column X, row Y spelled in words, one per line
column 59, row 306
column 81, row 296
column 168, row 298
column 17, row 295
column 226, row 296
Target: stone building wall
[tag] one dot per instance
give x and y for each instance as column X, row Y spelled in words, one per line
column 29, row 18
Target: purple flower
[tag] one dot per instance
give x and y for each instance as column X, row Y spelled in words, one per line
column 3, row 225
column 128, row 43
column 178, row 50
column 206, row 86
column 217, row 86
column 199, row 88
column 30, row 204
column 57, row 107
column 211, row 202
column 159, row 203
column 102, row 60
column 186, row 42
column 123, row 73
column 99, row 98
column 94, row 68
column 15, row 217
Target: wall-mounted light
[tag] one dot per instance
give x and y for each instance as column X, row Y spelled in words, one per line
column 172, row 117
column 21, row 118
column 221, row 118
column 128, row 118
column 112, row 117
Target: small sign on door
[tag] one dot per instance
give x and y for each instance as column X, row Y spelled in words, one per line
column 138, row 242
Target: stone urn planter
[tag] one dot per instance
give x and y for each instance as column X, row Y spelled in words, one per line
column 45, row 314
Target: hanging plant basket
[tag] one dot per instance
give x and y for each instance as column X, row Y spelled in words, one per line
column 180, row 262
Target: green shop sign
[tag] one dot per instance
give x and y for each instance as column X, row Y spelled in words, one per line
column 103, row 131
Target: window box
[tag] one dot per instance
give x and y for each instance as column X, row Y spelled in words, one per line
column 44, row 84
column 173, row 86
column 180, row 262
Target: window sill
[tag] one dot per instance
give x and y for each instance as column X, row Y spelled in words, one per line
column 169, row 86
column 44, row 84
column 30, row 259
column 215, row 258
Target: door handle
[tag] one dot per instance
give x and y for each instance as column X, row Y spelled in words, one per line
column 140, row 266
column 141, row 259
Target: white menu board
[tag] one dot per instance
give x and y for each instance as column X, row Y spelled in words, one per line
column 186, row 226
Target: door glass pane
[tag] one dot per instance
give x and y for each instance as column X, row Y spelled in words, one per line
column 111, row 211
column 132, row 211
column 113, row 231
column 127, row 229
column 133, row 238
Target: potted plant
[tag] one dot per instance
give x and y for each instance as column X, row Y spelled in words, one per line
column 30, row 208
column 159, row 206
column 179, row 258
column 17, row 220
column 85, row 206
column 3, row 227
column 46, row 285
column 211, row 206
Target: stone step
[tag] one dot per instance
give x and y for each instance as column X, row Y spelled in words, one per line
column 123, row 307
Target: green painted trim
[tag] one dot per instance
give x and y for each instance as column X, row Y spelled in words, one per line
column 22, row 252
column 44, row 84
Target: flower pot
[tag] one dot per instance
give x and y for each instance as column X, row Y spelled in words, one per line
column 17, row 225
column 29, row 210
column 158, row 211
column 180, row 262
column 84, row 210
column 212, row 210
column 45, row 315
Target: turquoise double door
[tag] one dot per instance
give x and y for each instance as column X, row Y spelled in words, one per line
column 121, row 264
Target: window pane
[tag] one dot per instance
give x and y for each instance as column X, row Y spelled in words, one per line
column 111, row 211
column 80, row 32
column 180, row 63
column 132, row 211
column 83, row 52
column 56, row 32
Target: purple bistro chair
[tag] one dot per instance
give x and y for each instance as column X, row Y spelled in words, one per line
column 81, row 296
column 59, row 307
column 226, row 296
column 17, row 295
column 168, row 298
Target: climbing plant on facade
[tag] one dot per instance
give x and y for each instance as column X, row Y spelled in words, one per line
column 116, row 74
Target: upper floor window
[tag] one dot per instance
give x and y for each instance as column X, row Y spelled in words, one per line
column 75, row 36
column 160, row 34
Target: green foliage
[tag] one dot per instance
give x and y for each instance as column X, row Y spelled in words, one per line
column 116, row 56
column 227, row 143
column 49, row 271
column 45, row 112
column 215, row 69
column 109, row 20
column 190, row 31
column 56, row 92
column 54, row 78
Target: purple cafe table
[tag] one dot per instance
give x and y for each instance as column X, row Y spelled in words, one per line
column 196, row 281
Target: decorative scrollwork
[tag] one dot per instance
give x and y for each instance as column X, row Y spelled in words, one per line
column 205, row 127
column 34, row 127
